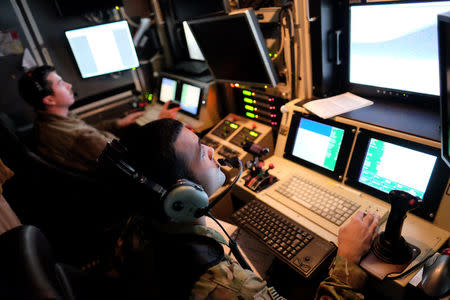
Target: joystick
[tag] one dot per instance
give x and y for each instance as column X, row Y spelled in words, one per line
column 258, row 179
column 390, row 246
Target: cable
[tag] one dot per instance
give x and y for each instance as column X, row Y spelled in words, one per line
column 233, row 245
column 413, row 268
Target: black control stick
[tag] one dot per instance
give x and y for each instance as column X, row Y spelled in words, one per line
column 390, row 246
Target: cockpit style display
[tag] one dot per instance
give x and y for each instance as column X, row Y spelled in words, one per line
column 388, row 167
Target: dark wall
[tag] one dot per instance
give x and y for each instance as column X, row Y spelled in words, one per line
column 11, row 69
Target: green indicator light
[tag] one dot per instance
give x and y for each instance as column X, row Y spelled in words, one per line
column 134, row 69
column 250, row 108
column 252, row 133
column 234, row 126
column 276, row 55
column 248, row 100
column 150, row 97
column 246, row 93
column 250, row 115
column 270, row 54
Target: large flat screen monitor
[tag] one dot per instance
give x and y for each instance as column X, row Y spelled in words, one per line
column 321, row 145
column 235, row 48
column 444, row 65
column 103, row 49
column 381, row 163
column 394, row 50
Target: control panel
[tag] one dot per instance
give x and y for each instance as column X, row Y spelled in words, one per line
column 233, row 132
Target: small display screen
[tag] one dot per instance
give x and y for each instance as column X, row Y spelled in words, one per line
column 190, row 98
column 318, row 143
column 168, row 90
column 103, row 48
column 389, row 166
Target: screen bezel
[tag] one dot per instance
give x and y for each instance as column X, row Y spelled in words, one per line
column 436, row 185
column 341, row 162
column 444, row 45
column 258, row 39
column 178, row 94
column 383, row 92
column 102, row 74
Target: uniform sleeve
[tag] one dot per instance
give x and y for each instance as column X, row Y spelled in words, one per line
column 89, row 145
column 227, row 280
column 345, row 281
column 108, row 125
column 5, row 174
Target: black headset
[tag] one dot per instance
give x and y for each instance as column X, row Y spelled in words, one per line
column 184, row 201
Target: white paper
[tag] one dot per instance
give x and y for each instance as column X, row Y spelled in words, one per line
column 28, row 61
column 333, row 106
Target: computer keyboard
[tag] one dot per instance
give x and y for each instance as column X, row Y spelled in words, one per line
column 300, row 248
column 150, row 114
column 316, row 198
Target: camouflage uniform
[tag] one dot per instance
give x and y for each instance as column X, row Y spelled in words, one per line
column 228, row 280
column 70, row 141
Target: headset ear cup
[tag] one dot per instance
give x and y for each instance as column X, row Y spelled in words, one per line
column 182, row 202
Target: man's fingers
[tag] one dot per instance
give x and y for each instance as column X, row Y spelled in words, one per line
column 359, row 215
column 374, row 225
column 175, row 109
column 368, row 219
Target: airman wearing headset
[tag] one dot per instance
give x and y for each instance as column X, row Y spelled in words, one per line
column 172, row 254
column 61, row 136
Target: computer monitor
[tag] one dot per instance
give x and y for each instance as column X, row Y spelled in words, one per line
column 444, row 66
column 194, row 50
column 322, row 145
column 168, row 90
column 393, row 49
column 190, row 98
column 381, row 163
column 234, row 48
column 103, row 49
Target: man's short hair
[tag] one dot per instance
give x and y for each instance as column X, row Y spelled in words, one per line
column 34, row 86
column 151, row 151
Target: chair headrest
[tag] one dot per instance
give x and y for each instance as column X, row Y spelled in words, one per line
column 28, row 266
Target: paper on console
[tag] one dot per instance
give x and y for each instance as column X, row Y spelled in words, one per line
column 336, row 105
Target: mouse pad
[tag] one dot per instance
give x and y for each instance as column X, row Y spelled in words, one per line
column 381, row 269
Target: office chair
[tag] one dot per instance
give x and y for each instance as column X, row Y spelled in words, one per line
column 28, row 269
column 70, row 207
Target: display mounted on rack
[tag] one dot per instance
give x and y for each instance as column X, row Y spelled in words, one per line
column 235, row 48
column 393, row 50
column 103, row 49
